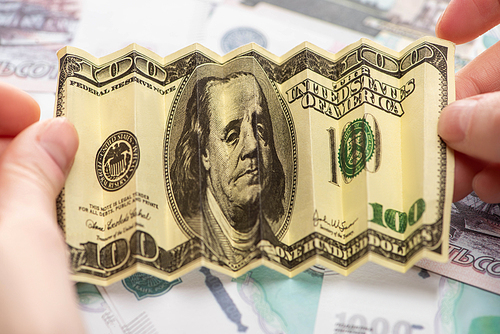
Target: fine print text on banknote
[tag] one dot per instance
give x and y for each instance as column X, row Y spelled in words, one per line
column 252, row 159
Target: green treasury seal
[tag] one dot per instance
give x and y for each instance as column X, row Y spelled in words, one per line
column 116, row 160
column 356, row 147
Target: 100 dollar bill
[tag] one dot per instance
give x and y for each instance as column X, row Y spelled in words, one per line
column 252, row 159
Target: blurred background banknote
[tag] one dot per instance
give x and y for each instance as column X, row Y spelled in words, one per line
column 31, row 32
column 371, row 300
column 474, row 254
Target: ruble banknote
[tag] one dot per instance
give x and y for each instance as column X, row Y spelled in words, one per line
column 374, row 300
column 248, row 159
column 474, row 253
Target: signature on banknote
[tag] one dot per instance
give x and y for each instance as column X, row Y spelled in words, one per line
column 338, row 224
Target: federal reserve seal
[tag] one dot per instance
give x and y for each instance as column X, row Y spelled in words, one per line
column 116, row 160
column 143, row 285
column 356, row 148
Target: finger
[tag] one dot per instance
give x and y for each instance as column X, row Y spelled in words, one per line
column 464, row 20
column 466, row 169
column 18, row 110
column 471, row 126
column 480, row 75
column 486, row 184
column 38, row 160
column 4, row 143
column 34, row 281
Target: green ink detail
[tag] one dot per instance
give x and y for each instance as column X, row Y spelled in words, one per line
column 485, row 325
column 419, row 206
column 465, row 309
column 390, row 220
column 377, row 213
column 356, row 148
column 143, row 285
column 291, row 300
column 451, row 294
column 89, row 298
column 397, row 220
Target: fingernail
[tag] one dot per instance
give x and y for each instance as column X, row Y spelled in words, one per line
column 59, row 140
column 458, row 117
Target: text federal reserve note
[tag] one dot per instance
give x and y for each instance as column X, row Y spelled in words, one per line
column 251, row 159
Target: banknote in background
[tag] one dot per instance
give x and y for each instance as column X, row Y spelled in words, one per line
column 249, row 159
column 330, row 24
column 31, row 32
column 474, row 253
column 377, row 300
column 28, row 45
column 261, row 301
column 374, row 300
column 392, row 23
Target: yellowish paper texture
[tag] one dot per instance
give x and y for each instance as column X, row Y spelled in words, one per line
column 249, row 159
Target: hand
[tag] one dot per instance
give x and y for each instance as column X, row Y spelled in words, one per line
column 471, row 125
column 36, row 295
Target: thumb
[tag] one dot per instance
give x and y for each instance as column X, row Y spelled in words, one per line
column 34, row 166
column 471, row 126
column 34, row 281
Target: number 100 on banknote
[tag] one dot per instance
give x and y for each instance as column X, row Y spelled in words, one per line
column 249, row 159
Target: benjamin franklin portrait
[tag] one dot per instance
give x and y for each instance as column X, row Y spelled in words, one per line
column 231, row 187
